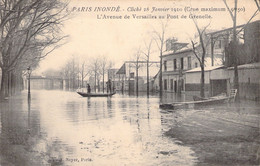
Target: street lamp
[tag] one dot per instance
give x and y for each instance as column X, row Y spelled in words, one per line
column 29, row 84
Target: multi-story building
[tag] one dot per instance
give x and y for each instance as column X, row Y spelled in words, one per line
column 175, row 64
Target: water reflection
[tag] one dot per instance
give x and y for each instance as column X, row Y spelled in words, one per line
column 62, row 128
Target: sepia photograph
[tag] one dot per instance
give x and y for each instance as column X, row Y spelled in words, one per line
column 129, row 83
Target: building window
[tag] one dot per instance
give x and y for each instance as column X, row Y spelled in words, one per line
column 174, row 64
column 189, row 62
column 165, row 84
column 165, row 65
column 182, row 84
column 132, row 75
column 196, row 64
column 182, row 63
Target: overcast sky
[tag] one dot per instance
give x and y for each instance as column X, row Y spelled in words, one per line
column 118, row 39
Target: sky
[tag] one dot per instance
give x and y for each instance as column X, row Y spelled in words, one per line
column 119, row 39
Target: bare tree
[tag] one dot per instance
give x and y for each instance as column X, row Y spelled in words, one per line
column 103, row 66
column 147, row 53
column 70, row 73
column 137, row 65
column 160, row 41
column 234, row 43
column 84, row 72
column 199, row 51
column 95, row 69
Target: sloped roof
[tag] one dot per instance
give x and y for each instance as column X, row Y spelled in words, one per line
column 248, row 66
column 183, row 50
column 121, row 70
column 209, row 68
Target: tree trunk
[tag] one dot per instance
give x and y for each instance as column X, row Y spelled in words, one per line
column 137, row 89
column 10, row 85
column 147, row 77
column 103, row 81
column 82, row 82
column 3, row 84
column 13, row 83
column 160, row 75
column 129, row 79
column 236, row 84
column 212, row 50
column 95, row 82
column 202, row 84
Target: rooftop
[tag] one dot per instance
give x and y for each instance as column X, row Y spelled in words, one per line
column 208, row 68
column 248, row 66
column 184, row 50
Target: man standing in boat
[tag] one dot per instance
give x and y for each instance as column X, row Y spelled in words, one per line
column 109, row 86
column 88, row 87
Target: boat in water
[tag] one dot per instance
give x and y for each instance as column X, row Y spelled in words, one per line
column 199, row 102
column 85, row 94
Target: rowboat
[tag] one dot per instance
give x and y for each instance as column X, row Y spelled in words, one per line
column 84, row 94
column 202, row 102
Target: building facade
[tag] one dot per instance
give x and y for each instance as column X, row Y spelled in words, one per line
column 181, row 71
column 174, row 67
column 46, row 83
column 220, row 79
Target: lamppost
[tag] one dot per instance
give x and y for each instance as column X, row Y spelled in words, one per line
column 29, row 81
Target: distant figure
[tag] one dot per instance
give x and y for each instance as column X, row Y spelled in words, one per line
column 89, row 90
column 109, row 85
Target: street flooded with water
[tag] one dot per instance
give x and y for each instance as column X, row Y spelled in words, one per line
column 63, row 128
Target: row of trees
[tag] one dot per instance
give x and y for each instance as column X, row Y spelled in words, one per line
column 75, row 71
column 29, row 31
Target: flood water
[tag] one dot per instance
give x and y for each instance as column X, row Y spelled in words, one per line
column 63, row 128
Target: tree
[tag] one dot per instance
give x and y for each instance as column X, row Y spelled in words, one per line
column 257, row 4
column 70, row 73
column 28, row 30
column 84, row 72
column 95, row 69
column 147, row 55
column 234, row 43
column 137, row 57
column 160, row 41
column 103, row 66
column 110, row 74
column 200, row 52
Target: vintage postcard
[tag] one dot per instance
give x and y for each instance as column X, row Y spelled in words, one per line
column 121, row 82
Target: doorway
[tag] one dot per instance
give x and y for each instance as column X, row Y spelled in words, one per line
column 218, row 86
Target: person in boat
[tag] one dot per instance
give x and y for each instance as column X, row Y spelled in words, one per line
column 109, row 86
column 89, row 89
